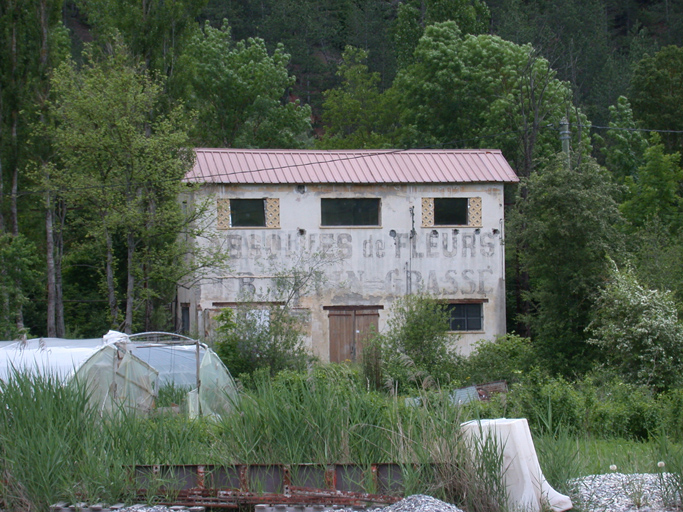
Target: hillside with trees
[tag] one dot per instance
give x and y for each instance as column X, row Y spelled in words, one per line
column 101, row 102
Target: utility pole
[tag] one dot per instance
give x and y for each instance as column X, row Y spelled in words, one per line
column 565, row 136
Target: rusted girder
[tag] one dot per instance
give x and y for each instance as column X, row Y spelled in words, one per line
column 233, row 486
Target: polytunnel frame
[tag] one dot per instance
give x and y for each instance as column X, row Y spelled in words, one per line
column 176, row 339
column 161, row 338
column 213, row 391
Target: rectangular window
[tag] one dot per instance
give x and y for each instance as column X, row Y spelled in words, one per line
column 450, row 211
column 184, row 318
column 247, row 213
column 350, row 212
column 466, row 317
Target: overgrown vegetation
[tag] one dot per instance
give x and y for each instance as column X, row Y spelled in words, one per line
column 416, row 349
column 425, row 76
column 54, row 447
column 267, row 329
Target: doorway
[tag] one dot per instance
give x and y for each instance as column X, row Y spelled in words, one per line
column 350, row 326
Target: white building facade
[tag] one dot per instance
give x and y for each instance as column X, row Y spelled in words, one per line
column 376, row 224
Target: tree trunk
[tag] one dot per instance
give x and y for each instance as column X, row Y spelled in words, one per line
column 111, row 288
column 14, row 215
column 130, row 288
column 50, row 263
column 2, row 179
column 148, row 299
column 59, row 252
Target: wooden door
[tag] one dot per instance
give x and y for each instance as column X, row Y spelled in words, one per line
column 349, row 328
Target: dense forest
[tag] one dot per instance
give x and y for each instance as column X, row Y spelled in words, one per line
column 101, row 99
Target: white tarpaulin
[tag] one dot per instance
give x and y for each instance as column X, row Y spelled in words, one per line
column 526, row 486
column 55, row 355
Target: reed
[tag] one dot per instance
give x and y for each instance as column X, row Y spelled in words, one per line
column 50, row 442
column 54, row 447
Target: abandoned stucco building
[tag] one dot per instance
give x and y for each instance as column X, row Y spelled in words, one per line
column 379, row 223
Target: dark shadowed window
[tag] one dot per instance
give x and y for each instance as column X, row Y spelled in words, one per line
column 350, row 212
column 466, row 317
column 246, row 213
column 450, row 211
column 184, row 318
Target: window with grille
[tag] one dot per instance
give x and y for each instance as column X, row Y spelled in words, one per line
column 248, row 213
column 466, row 316
column 451, row 211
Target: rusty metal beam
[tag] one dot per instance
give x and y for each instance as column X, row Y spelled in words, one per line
column 236, row 485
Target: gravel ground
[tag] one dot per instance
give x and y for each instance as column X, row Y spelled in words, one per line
column 617, row 492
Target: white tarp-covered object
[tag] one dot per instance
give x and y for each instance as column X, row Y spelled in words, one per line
column 527, row 488
column 128, row 371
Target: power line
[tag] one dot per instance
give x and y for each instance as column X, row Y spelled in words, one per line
column 374, row 153
column 316, row 162
column 630, row 129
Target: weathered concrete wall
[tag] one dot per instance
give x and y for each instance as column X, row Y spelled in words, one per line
column 365, row 265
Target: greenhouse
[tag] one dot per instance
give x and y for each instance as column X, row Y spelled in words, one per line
column 128, row 372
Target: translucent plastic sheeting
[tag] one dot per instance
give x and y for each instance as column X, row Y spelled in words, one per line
column 118, row 380
column 217, row 393
column 136, row 383
column 193, row 404
column 176, row 364
column 121, row 373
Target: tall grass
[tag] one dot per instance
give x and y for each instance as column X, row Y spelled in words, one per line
column 329, row 417
column 50, row 444
column 54, row 447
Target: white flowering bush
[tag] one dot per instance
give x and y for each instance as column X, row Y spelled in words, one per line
column 638, row 331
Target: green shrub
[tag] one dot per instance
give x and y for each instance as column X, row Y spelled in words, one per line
column 617, row 409
column 548, row 404
column 601, row 405
column 272, row 336
column 638, row 331
column 671, row 410
column 418, row 345
column 509, row 357
column 248, row 339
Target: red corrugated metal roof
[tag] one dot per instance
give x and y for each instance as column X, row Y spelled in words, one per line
column 272, row 166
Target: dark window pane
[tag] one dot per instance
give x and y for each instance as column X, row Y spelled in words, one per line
column 465, row 317
column 350, row 212
column 184, row 319
column 247, row 213
column 450, row 211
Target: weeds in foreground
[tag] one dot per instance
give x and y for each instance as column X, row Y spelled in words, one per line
column 481, row 479
column 670, row 472
column 558, row 455
column 327, row 416
column 50, row 444
column 636, row 490
column 54, row 447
